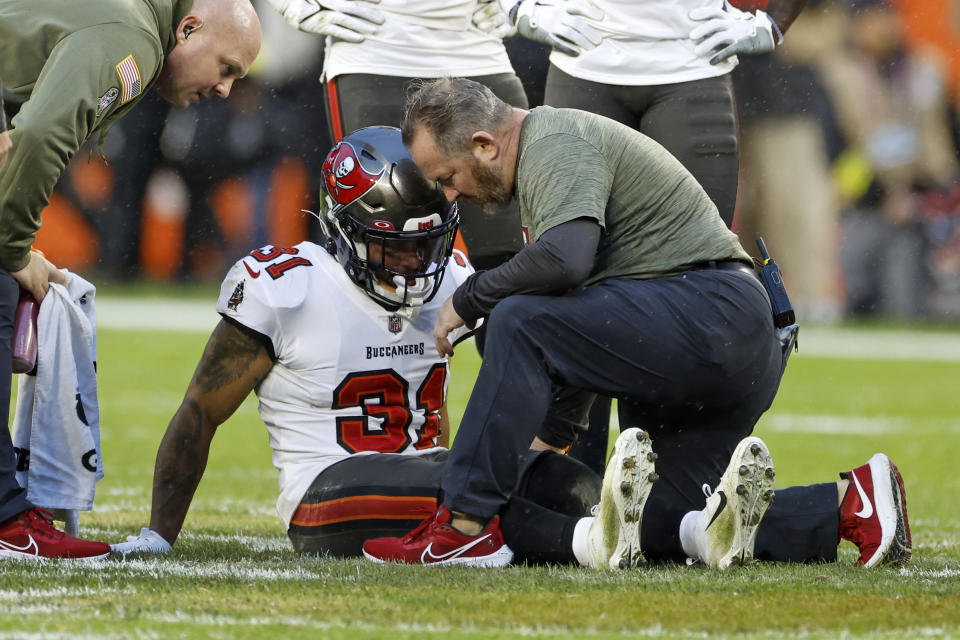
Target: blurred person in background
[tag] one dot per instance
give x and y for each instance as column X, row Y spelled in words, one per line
column 218, row 141
column 223, row 151
column 133, row 152
column 893, row 111
column 531, row 59
column 933, row 27
column 70, row 70
column 789, row 139
column 374, row 48
column 662, row 68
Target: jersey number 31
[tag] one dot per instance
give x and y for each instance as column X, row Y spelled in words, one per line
column 383, row 395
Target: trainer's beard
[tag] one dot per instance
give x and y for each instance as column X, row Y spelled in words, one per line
column 492, row 193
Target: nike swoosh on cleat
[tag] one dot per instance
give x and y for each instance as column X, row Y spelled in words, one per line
column 253, row 274
column 427, row 553
column 723, row 505
column 867, row 509
column 24, row 549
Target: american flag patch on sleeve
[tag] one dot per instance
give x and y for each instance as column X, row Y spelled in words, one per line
column 129, row 79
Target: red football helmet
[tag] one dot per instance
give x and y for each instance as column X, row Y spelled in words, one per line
column 390, row 227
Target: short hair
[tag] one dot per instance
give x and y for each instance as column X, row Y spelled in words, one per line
column 452, row 110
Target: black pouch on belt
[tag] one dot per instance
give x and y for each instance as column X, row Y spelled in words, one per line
column 769, row 272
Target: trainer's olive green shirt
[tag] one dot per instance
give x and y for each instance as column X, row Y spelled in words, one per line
column 3, row 119
column 69, row 66
column 657, row 219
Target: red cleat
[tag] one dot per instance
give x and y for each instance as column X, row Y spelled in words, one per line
column 435, row 542
column 873, row 514
column 32, row 536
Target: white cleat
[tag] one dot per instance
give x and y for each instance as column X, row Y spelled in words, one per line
column 734, row 511
column 614, row 535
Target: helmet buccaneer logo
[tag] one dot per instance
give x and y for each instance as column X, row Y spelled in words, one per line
column 346, row 178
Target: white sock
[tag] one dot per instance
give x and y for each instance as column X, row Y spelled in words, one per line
column 688, row 533
column 581, row 550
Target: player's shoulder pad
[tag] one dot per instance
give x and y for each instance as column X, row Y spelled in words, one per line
column 270, row 277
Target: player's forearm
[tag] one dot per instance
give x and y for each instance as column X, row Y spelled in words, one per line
column 181, row 461
column 784, row 12
column 26, row 182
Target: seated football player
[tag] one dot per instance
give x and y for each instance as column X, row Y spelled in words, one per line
column 336, row 341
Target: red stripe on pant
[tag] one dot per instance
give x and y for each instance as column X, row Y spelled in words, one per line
column 333, row 99
column 363, row 508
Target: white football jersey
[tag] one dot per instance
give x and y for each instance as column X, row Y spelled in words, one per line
column 349, row 376
column 646, row 42
column 421, row 39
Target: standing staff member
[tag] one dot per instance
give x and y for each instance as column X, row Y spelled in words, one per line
column 374, row 49
column 72, row 68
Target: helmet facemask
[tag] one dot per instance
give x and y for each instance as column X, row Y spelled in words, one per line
column 390, row 227
column 399, row 269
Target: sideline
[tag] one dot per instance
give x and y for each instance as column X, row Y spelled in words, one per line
column 172, row 314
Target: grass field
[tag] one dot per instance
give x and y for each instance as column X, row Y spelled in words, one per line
column 845, row 396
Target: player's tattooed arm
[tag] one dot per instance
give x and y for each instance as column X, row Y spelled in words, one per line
column 233, row 363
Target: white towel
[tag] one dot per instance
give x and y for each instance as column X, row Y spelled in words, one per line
column 58, row 415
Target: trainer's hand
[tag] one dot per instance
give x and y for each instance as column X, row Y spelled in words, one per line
column 490, row 18
column 148, row 542
column 5, row 146
column 37, row 276
column 727, row 31
column 447, row 320
column 350, row 20
column 561, row 24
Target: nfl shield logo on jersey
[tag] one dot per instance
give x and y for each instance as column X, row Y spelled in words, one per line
column 396, row 323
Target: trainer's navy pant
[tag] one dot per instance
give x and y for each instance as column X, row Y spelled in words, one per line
column 13, row 499
column 693, row 359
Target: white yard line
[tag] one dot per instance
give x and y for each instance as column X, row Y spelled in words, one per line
column 829, row 424
column 946, row 572
column 848, row 425
column 169, row 314
column 876, row 344
column 246, row 570
column 54, row 593
column 42, row 635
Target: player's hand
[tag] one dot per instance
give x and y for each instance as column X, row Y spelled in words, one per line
column 727, row 31
column 6, row 145
column 490, row 18
column 561, row 24
column 37, row 276
column 447, row 320
column 350, row 20
column 148, row 542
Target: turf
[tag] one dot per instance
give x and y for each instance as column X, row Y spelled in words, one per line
column 233, row 574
